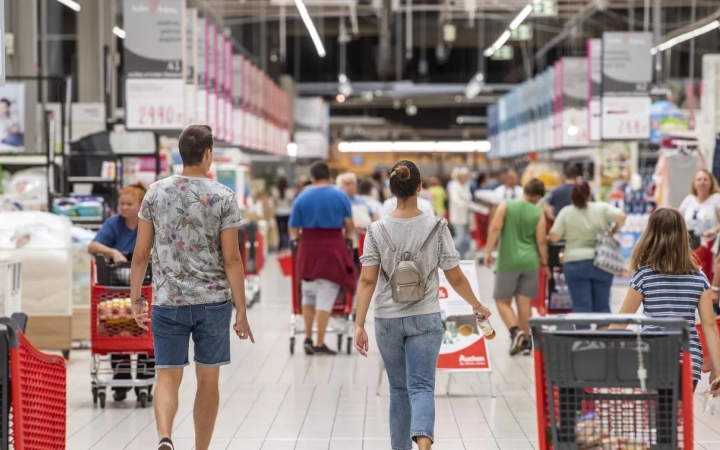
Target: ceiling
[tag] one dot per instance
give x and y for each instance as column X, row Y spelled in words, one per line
column 395, row 53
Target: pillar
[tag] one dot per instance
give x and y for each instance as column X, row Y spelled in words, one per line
column 95, row 24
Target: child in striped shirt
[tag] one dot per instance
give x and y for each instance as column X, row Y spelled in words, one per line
column 668, row 283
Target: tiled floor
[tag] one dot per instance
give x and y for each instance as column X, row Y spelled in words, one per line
column 273, row 401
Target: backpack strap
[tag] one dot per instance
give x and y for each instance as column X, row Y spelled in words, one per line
column 386, row 237
column 430, row 236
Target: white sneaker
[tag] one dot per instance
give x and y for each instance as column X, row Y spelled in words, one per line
column 517, row 343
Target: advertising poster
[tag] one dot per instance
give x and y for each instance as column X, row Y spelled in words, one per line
column 154, row 81
column 617, row 164
column 594, row 74
column 574, row 125
column 211, row 74
column 201, row 69
column 463, row 346
column 190, row 60
column 237, row 93
column 12, row 118
column 626, row 78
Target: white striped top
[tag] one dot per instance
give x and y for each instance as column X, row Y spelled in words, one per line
column 673, row 296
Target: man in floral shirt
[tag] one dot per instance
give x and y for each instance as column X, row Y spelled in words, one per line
column 192, row 223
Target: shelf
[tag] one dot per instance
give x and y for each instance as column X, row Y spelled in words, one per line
column 90, row 180
column 95, row 219
column 23, row 160
column 113, row 155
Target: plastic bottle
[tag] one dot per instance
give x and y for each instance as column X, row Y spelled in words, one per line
column 485, row 327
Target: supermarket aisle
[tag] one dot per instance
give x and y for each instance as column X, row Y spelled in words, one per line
column 273, row 401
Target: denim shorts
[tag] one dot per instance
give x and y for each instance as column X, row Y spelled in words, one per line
column 209, row 326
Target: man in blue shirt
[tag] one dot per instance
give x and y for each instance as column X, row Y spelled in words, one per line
column 560, row 196
column 319, row 215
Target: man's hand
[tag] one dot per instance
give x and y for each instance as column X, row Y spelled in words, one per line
column 488, row 260
column 361, row 341
column 140, row 313
column 242, row 327
column 714, row 383
column 548, row 272
column 118, row 258
column 480, row 310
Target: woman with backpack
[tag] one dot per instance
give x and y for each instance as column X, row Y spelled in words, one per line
column 402, row 255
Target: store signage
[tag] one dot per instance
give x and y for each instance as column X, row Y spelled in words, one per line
column 626, row 78
column 545, row 8
column 190, row 63
column 594, row 74
column 574, row 123
column 237, row 93
column 211, row 73
column 504, row 53
column 201, row 69
column 229, row 86
column 154, row 81
column 2, row 42
column 220, row 84
column 522, row 33
column 463, row 347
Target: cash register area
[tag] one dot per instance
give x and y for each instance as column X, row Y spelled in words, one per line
column 272, row 400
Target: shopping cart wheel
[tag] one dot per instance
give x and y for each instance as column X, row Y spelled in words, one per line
column 101, row 399
column 66, row 354
column 340, row 343
column 143, row 399
column 292, row 345
column 95, row 395
column 349, row 345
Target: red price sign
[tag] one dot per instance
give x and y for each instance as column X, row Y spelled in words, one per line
column 154, row 104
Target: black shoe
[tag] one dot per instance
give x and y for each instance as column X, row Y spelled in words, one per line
column 324, row 350
column 527, row 347
column 308, row 346
column 119, row 395
column 517, row 342
column 166, row 444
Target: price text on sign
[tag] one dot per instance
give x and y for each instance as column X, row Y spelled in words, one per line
column 154, row 104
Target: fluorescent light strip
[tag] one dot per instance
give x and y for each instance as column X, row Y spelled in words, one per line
column 686, row 36
column 520, row 17
column 75, row 6
column 119, row 32
column 499, row 43
column 310, row 27
column 414, row 146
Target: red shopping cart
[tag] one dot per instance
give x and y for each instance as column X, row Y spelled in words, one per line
column 589, row 395
column 553, row 295
column 117, row 343
column 342, row 311
column 32, row 394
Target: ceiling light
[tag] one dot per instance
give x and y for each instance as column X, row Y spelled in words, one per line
column 411, row 110
column 75, row 6
column 340, row 98
column 686, row 36
column 292, row 150
column 414, row 146
column 499, row 43
column 573, row 130
column 119, row 32
column 520, row 17
column 310, row 27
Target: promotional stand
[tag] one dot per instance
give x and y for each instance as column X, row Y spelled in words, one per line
column 464, row 347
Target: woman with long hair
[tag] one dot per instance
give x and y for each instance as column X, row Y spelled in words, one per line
column 579, row 224
column 409, row 333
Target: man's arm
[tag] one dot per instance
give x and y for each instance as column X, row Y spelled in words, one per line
column 496, row 227
column 138, row 268
column 230, row 248
column 541, row 240
column 349, row 228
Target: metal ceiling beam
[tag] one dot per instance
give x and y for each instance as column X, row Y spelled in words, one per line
column 403, row 89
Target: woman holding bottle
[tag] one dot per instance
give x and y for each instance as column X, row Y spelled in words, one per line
column 409, row 333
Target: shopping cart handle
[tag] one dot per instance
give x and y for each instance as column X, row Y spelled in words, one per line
column 12, row 328
column 603, row 320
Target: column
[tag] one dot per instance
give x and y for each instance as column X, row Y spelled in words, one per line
column 95, row 24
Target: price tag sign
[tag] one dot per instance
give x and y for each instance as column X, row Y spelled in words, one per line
column 154, row 104
column 545, row 8
column 626, row 117
column 522, row 33
column 504, row 53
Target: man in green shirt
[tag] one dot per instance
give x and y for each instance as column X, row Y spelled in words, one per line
column 521, row 227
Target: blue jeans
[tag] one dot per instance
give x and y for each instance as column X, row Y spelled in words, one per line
column 409, row 347
column 589, row 287
column 461, row 239
column 209, row 326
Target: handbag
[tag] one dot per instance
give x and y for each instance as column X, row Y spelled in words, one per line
column 607, row 253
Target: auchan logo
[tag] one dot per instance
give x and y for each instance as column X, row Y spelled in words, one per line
column 471, row 360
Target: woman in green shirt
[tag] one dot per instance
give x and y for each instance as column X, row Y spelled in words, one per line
column 578, row 224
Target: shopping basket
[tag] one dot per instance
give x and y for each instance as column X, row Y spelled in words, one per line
column 588, row 392
column 32, row 393
column 343, row 308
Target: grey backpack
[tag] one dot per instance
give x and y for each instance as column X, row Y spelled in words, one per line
column 407, row 283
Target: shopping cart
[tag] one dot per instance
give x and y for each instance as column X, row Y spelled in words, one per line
column 589, row 394
column 123, row 353
column 32, row 394
column 342, row 311
column 252, row 251
column 553, row 295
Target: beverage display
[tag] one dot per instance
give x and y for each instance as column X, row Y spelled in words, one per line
column 485, row 327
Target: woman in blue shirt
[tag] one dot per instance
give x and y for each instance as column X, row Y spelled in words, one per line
column 116, row 238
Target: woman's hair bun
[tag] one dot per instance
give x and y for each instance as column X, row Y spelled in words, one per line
column 401, row 173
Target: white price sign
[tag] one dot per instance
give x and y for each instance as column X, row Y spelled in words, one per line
column 626, row 118
column 154, row 104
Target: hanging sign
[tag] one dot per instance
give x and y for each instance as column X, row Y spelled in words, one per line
column 190, row 58
column 211, row 72
column 220, row 84
column 594, row 74
column 504, row 53
column 524, row 32
column 464, row 347
column 154, row 81
column 574, row 122
column 545, row 8
column 237, row 99
column 201, row 69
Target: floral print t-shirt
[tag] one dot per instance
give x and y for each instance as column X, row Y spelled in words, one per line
column 188, row 215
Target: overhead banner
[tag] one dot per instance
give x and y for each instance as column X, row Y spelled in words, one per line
column 626, row 78
column 463, row 346
column 201, row 69
column 594, row 74
column 191, row 58
column 154, row 81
